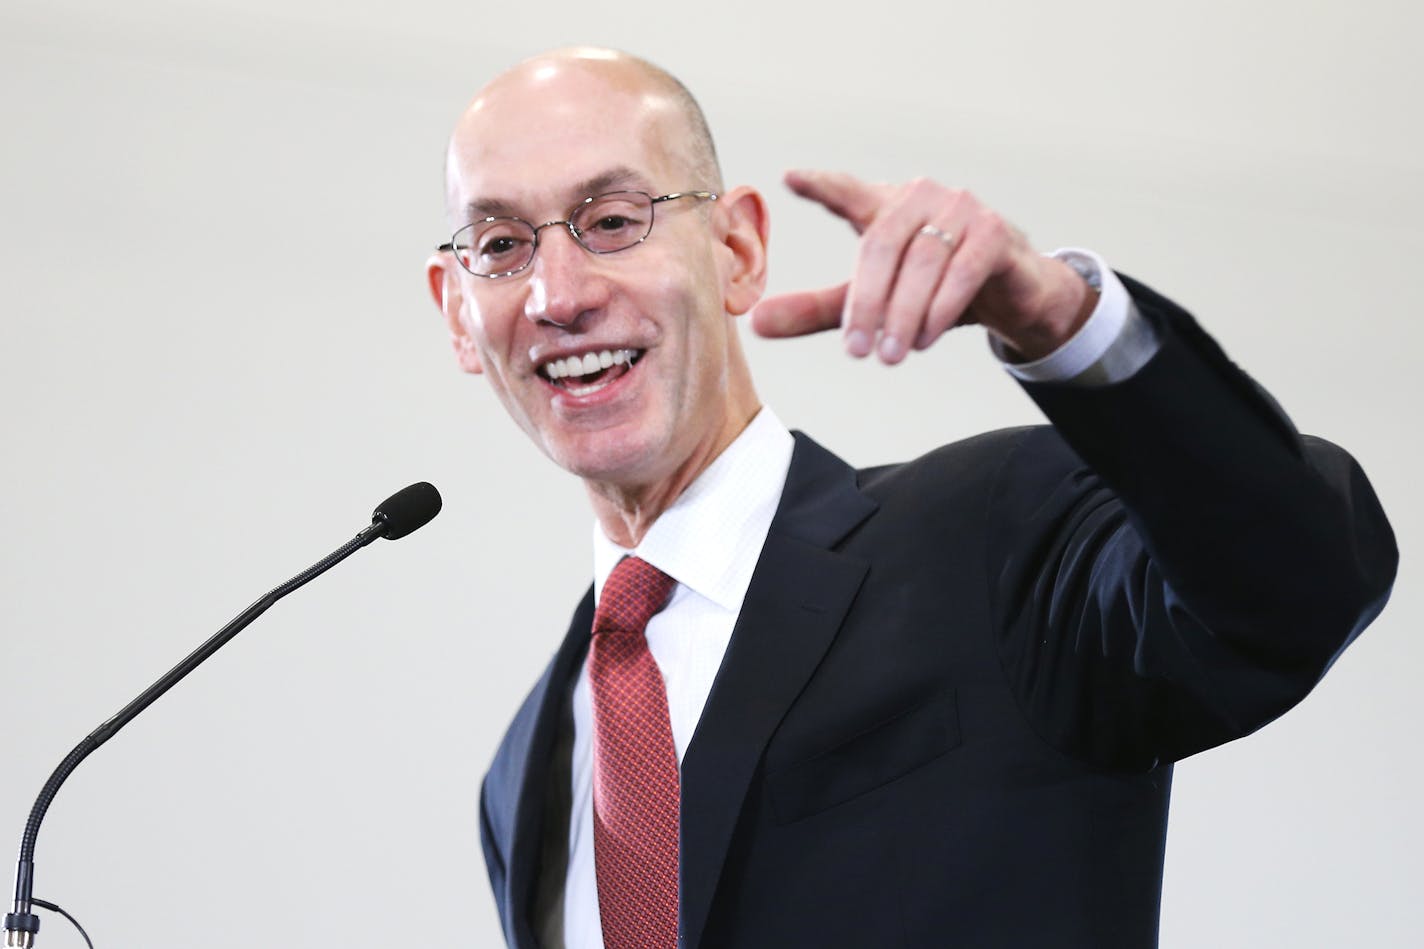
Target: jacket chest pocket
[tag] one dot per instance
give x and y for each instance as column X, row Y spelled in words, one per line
column 865, row 761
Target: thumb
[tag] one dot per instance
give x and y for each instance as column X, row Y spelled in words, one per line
column 800, row 313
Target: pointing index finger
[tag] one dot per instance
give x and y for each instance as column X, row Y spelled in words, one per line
column 843, row 195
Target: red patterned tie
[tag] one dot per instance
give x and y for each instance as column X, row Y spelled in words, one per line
column 635, row 785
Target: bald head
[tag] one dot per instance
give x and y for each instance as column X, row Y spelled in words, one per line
column 535, row 144
column 554, row 91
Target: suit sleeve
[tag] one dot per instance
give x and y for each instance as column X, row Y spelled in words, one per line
column 1173, row 565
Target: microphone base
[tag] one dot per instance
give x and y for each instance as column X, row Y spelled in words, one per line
column 20, row 929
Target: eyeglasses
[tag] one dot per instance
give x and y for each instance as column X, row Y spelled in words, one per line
column 604, row 224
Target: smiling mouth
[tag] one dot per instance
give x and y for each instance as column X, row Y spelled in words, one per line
column 586, row 373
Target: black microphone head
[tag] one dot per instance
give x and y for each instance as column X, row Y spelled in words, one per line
column 407, row 510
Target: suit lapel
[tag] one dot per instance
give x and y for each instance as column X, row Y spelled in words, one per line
column 794, row 606
column 534, row 760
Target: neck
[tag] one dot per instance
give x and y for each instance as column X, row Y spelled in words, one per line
column 626, row 512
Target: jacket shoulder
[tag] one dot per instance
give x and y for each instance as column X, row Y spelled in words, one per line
column 970, row 465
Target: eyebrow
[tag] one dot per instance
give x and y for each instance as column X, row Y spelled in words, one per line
column 620, row 177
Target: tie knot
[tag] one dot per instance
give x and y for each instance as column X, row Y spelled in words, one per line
column 633, row 592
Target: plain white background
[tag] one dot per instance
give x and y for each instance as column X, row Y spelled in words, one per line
column 216, row 355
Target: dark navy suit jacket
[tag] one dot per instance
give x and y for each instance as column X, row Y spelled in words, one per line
column 949, row 709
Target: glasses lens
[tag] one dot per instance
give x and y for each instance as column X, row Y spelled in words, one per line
column 498, row 245
column 614, row 221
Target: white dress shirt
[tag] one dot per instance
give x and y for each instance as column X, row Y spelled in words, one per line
column 708, row 541
column 711, row 537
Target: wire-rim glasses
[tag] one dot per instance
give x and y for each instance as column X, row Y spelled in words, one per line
column 501, row 246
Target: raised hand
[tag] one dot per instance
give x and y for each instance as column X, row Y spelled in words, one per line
column 930, row 258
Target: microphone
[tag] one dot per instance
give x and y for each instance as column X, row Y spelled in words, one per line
column 408, row 510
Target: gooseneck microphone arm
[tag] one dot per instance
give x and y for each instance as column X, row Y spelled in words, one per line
column 401, row 513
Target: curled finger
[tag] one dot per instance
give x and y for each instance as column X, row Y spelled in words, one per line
column 921, row 271
column 887, row 245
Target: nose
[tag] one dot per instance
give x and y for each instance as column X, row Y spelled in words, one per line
column 563, row 282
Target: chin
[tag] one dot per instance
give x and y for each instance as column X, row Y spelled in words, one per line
column 609, row 458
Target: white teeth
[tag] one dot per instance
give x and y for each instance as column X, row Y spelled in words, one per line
column 587, row 364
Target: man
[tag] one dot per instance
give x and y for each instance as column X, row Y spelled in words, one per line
column 924, row 705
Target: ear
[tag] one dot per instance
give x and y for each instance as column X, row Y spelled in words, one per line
column 440, row 273
column 743, row 227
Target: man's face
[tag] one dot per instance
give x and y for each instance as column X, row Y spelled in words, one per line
column 535, row 146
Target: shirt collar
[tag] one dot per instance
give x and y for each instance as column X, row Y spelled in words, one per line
column 710, row 538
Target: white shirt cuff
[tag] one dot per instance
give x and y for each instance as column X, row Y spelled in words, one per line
column 1113, row 344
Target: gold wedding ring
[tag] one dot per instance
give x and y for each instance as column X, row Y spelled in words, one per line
column 943, row 236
